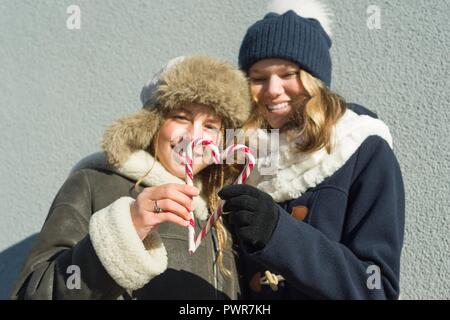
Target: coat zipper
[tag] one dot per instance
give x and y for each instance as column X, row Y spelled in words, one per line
column 214, row 253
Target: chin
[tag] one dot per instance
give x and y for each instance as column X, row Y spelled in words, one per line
column 177, row 170
column 277, row 121
column 180, row 174
column 276, row 124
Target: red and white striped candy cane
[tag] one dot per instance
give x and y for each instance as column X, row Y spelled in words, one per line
column 240, row 179
column 190, row 177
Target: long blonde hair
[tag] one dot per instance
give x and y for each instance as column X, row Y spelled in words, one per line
column 213, row 178
column 315, row 112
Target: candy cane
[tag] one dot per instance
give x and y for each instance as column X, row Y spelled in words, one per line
column 190, row 177
column 240, row 179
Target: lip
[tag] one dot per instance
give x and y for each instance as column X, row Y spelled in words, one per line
column 278, row 106
column 278, row 102
column 279, row 111
column 181, row 159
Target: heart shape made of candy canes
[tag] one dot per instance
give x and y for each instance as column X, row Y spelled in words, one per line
column 195, row 240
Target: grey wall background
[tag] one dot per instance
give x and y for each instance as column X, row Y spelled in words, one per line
column 60, row 88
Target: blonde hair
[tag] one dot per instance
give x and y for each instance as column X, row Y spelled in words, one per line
column 315, row 112
column 213, row 177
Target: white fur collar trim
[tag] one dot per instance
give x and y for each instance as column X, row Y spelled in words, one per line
column 137, row 166
column 298, row 172
column 141, row 161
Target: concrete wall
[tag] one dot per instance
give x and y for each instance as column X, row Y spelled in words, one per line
column 60, row 88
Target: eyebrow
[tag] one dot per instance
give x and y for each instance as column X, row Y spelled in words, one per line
column 211, row 118
column 278, row 69
column 183, row 110
column 214, row 120
column 255, row 71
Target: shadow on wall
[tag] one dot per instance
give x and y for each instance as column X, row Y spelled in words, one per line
column 13, row 258
column 11, row 263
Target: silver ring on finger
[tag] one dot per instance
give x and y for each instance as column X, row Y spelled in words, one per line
column 157, row 208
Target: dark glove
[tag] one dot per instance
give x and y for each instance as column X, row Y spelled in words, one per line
column 252, row 212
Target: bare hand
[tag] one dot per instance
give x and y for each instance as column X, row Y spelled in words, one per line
column 174, row 199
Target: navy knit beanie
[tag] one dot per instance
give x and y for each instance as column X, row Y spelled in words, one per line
column 291, row 37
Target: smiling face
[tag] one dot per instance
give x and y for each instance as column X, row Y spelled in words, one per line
column 275, row 84
column 179, row 128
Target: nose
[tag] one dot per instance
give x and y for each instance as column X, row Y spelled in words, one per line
column 194, row 131
column 274, row 87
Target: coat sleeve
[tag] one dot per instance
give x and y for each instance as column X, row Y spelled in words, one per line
column 365, row 262
column 78, row 252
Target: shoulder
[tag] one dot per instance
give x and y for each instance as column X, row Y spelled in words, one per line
column 376, row 157
column 360, row 110
column 365, row 139
column 94, row 169
column 83, row 183
column 95, row 161
column 99, row 183
column 75, row 189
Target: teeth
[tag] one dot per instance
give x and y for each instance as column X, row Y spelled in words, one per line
column 278, row 106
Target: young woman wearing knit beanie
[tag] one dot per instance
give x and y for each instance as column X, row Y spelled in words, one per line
column 121, row 220
column 329, row 224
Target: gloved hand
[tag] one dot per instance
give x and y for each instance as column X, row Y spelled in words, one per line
column 252, row 212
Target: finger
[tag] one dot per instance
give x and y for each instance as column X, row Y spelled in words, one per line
column 181, row 198
column 168, row 205
column 188, row 190
column 247, row 234
column 243, row 202
column 172, row 191
column 241, row 218
column 170, row 217
column 234, row 190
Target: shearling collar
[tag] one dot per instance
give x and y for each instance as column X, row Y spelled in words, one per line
column 297, row 172
column 136, row 166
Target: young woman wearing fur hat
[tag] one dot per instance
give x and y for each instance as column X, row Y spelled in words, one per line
column 329, row 223
column 121, row 220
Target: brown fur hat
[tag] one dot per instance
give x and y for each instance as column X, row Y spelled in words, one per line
column 196, row 79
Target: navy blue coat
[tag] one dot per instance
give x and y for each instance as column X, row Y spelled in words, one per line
column 353, row 227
